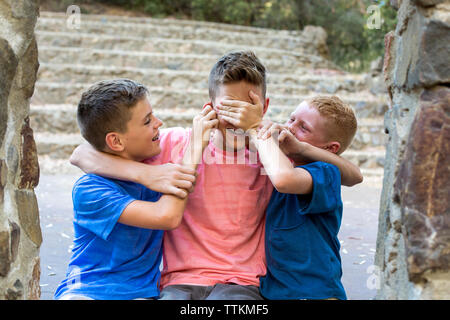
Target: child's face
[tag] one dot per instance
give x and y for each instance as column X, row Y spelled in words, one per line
column 142, row 137
column 307, row 125
column 232, row 140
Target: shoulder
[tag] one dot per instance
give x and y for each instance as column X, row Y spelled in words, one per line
column 92, row 185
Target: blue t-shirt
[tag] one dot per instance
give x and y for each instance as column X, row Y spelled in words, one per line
column 111, row 260
column 302, row 248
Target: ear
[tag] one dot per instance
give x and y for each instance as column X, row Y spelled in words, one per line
column 266, row 106
column 114, row 142
column 333, row 147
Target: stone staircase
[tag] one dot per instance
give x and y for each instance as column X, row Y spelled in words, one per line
column 173, row 58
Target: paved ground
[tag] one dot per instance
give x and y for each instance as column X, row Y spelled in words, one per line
column 357, row 235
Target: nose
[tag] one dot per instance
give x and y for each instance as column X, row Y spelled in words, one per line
column 291, row 127
column 158, row 122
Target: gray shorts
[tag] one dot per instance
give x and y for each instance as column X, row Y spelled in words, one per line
column 216, row 292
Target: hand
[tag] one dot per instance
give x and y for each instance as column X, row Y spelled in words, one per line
column 267, row 127
column 201, row 133
column 242, row 114
column 169, row 178
column 292, row 147
column 203, row 123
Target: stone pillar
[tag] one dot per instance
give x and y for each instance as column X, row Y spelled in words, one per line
column 20, row 233
column 413, row 245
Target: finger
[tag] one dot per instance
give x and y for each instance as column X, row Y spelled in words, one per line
column 186, row 177
column 229, row 114
column 187, row 170
column 211, row 115
column 180, row 193
column 282, row 136
column 264, row 129
column 206, row 110
column 212, row 124
column 227, row 108
column 230, row 120
column 184, row 184
column 254, row 97
column 234, row 103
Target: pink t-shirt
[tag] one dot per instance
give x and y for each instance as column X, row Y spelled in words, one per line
column 221, row 236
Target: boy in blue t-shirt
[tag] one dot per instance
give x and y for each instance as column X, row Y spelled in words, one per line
column 305, row 211
column 118, row 225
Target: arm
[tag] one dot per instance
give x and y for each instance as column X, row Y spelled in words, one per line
column 167, row 212
column 305, row 152
column 284, row 177
column 166, row 178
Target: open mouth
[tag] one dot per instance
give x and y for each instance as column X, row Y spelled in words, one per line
column 156, row 138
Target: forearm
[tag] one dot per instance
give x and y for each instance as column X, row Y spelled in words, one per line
column 350, row 173
column 107, row 165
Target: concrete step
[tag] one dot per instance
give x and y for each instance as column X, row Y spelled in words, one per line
column 164, row 45
column 163, row 97
column 280, row 83
column 270, row 39
column 170, row 22
column 368, row 158
column 57, row 56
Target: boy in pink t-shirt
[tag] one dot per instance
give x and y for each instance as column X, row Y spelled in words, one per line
column 217, row 252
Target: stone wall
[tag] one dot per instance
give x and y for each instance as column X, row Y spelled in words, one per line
column 20, row 233
column 413, row 245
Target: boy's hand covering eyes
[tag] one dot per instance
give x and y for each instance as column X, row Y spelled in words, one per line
column 242, row 114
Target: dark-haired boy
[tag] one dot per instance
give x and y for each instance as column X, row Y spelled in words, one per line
column 118, row 225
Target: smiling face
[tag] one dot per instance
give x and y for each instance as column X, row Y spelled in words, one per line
column 307, row 125
column 228, row 137
column 141, row 139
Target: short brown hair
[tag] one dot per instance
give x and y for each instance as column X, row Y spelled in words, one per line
column 106, row 107
column 235, row 67
column 341, row 119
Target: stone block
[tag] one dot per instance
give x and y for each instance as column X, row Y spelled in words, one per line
column 8, row 63
column 29, row 166
column 27, row 70
column 422, row 185
column 5, row 257
column 28, row 212
column 433, row 65
column 34, row 289
column 424, row 45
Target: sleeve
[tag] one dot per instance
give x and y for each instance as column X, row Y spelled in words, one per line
column 326, row 194
column 98, row 204
column 173, row 142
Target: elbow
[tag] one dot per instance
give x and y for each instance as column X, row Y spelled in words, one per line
column 172, row 221
column 358, row 179
column 74, row 159
column 280, row 182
